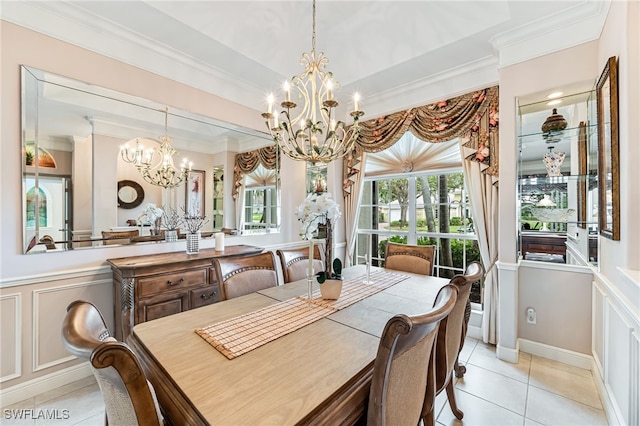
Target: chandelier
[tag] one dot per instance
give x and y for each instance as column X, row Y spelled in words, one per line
column 312, row 133
column 156, row 164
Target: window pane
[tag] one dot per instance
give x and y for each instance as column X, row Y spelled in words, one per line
column 387, row 207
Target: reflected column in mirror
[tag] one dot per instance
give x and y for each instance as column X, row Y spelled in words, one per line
column 218, row 198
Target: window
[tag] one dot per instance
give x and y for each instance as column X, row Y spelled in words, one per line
column 36, row 208
column 422, row 209
column 260, row 208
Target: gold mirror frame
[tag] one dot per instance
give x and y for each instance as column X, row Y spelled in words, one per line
column 608, row 152
column 582, row 172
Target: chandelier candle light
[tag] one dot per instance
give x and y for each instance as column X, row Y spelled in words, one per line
column 316, row 119
column 156, row 164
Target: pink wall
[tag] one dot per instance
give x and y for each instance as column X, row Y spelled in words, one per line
column 24, row 47
column 621, row 37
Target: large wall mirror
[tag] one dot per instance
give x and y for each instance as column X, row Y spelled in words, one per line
column 77, row 187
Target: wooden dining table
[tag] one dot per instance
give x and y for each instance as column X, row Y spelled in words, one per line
column 318, row 374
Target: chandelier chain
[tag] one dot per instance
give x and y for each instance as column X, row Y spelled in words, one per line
column 313, row 32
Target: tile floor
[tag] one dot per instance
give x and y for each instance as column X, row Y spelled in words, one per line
column 536, row 391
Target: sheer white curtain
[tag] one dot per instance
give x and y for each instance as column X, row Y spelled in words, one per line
column 351, row 207
column 408, row 154
column 483, row 196
column 413, row 154
column 240, row 209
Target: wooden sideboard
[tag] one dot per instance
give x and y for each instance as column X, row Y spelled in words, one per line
column 550, row 244
column 154, row 286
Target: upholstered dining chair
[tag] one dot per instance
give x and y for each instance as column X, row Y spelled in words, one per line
column 295, row 263
column 401, row 369
column 243, row 275
column 119, row 237
column 129, row 398
column 448, row 344
column 409, row 258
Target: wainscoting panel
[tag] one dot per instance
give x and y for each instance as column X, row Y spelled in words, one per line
column 634, row 397
column 10, row 336
column 597, row 338
column 615, row 350
column 617, row 364
column 49, row 308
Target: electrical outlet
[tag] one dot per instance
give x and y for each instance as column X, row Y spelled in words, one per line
column 531, row 316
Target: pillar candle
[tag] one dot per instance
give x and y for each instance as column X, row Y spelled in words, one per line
column 219, row 241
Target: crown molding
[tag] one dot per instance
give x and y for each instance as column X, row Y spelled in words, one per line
column 580, row 24
column 452, row 82
column 69, row 24
column 62, row 20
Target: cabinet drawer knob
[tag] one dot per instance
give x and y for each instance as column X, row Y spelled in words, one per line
column 205, row 297
column 180, row 281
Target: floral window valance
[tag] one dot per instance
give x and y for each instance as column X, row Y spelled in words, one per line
column 247, row 162
column 472, row 117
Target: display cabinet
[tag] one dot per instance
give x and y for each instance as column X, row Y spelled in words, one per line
column 557, row 177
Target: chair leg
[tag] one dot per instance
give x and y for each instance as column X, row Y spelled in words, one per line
column 459, row 369
column 429, row 418
column 452, row 401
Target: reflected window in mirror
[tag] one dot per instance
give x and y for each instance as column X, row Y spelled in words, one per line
column 316, row 178
column 256, row 190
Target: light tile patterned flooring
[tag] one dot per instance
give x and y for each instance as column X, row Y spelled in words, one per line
column 536, row 391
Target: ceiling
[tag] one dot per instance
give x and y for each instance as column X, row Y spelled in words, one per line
column 396, row 54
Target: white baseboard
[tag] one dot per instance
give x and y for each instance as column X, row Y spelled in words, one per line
column 607, row 403
column 43, row 384
column 565, row 356
column 474, row 332
column 507, row 354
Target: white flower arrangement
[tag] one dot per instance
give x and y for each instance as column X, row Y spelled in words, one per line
column 150, row 214
column 314, row 211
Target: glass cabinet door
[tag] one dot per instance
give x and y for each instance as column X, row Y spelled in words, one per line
column 557, row 179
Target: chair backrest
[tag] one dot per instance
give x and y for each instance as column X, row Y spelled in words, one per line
column 119, row 237
column 408, row 258
column 401, row 368
column 295, row 263
column 238, row 276
column 129, row 398
column 450, row 334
